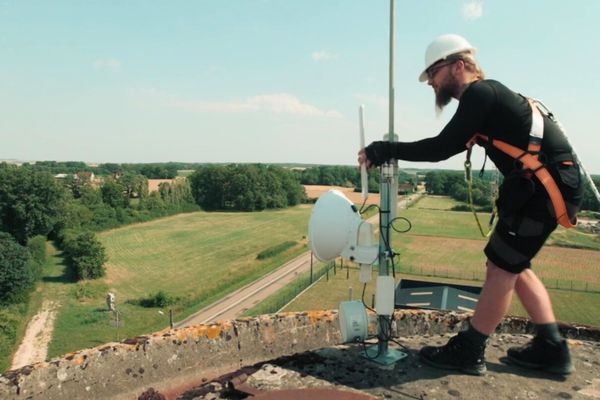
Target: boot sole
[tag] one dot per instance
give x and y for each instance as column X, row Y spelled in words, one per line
column 476, row 370
column 558, row 370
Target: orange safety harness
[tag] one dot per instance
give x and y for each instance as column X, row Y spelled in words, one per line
column 530, row 162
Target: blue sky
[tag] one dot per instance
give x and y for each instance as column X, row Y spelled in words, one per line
column 269, row 80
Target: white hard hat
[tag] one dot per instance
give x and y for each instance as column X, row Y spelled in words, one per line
column 443, row 46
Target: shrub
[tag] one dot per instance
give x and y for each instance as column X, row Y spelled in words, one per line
column 274, row 250
column 89, row 290
column 9, row 321
column 461, row 207
column 160, row 299
column 16, row 275
column 85, row 254
column 37, row 249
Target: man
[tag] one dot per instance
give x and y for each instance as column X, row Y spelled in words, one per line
column 527, row 215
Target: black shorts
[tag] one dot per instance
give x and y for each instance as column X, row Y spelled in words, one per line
column 521, row 231
column 516, row 240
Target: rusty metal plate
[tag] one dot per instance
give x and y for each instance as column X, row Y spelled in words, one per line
column 313, row 394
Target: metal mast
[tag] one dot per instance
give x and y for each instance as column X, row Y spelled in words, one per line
column 388, row 190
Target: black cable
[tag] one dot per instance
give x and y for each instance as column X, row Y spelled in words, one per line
column 363, row 299
column 402, row 218
column 364, row 344
column 360, row 211
column 385, row 328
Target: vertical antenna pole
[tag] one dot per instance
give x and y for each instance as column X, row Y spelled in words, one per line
column 388, row 191
column 391, row 73
column 389, row 172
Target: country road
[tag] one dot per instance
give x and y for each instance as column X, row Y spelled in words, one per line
column 234, row 304
column 239, row 301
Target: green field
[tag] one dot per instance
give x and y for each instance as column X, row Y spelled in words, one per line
column 446, row 246
column 197, row 257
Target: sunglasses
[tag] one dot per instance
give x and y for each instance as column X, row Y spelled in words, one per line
column 433, row 70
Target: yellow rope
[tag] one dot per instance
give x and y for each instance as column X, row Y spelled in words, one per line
column 469, row 180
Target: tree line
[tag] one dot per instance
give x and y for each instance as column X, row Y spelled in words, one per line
column 346, row 176
column 149, row 170
column 453, row 184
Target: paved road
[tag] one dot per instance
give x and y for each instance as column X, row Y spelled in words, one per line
column 234, row 304
column 239, row 301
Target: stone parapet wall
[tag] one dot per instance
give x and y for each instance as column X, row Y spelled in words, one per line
column 173, row 360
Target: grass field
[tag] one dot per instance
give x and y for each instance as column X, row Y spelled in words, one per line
column 431, row 216
column 444, row 243
column 198, row 257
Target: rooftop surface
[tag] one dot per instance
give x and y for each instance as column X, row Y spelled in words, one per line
column 344, row 368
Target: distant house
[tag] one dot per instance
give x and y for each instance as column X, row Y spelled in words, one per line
column 85, row 176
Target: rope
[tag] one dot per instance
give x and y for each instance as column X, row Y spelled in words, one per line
column 469, row 180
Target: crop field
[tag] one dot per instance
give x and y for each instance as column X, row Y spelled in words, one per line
column 445, row 245
column 197, row 258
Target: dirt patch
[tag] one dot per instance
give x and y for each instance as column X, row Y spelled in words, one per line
column 34, row 347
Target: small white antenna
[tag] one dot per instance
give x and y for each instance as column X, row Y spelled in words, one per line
column 364, row 178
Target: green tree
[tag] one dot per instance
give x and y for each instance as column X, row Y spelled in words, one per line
column 86, row 254
column 434, row 181
column 245, row 187
column 154, row 202
column 589, row 199
column 16, row 275
column 208, row 186
column 91, row 197
column 110, row 169
column 31, row 202
column 135, row 185
column 114, row 194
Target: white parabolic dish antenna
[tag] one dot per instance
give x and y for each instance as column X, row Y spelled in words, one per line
column 331, row 222
column 336, row 228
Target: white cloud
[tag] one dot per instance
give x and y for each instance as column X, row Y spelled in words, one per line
column 110, row 64
column 323, row 55
column 279, row 103
column 473, row 10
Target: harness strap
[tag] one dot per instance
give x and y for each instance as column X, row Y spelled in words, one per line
column 536, row 134
column 532, row 163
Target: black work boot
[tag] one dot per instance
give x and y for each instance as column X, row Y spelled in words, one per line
column 543, row 354
column 459, row 353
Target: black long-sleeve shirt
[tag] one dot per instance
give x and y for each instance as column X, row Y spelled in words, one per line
column 487, row 107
